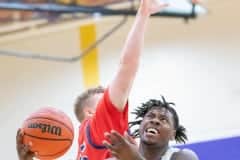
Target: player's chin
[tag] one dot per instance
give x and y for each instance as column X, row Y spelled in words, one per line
column 149, row 140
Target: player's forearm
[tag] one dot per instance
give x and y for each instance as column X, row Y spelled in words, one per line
column 130, row 58
column 131, row 52
column 129, row 62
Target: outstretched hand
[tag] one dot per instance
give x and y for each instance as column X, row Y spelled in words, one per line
column 123, row 148
column 149, row 7
column 23, row 150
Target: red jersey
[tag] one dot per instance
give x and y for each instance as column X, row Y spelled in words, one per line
column 91, row 131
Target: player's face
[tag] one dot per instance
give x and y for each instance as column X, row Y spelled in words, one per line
column 95, row 99
column 92, row 102
column 157, row 127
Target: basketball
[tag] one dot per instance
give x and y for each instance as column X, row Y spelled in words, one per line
column 50, row 133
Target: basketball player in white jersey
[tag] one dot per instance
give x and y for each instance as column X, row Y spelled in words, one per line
column 159, row 124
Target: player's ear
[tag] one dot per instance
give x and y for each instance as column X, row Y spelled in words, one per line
column 88, row 111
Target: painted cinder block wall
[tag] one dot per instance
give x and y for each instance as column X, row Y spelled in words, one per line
column 195, row 65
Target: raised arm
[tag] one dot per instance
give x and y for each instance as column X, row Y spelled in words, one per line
column 120, row 87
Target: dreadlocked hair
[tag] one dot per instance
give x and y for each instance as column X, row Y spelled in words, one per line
column 141, row 111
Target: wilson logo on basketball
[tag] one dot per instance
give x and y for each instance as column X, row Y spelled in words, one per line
column 47, row 128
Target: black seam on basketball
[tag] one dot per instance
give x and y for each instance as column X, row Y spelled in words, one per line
column 52, row 120
column 49, row 139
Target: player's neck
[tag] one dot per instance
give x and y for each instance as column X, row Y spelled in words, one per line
column 152, row 152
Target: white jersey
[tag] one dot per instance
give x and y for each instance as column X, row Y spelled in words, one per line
column 169, row 153
column 166, row 156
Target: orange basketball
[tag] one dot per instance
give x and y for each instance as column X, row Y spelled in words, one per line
column 50, row 131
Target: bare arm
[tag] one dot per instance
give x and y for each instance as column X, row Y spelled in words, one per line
column 121, row 85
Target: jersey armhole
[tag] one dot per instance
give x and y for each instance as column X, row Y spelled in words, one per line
column 89, row 139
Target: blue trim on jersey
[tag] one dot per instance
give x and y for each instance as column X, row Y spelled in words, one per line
column 90, row 139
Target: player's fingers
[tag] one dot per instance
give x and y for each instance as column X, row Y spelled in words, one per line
column 112, row 147
column 107, row 135
column 115, row 154
column 129, row 138
column 26, row 148
column 22, row 150
column 115, row 139
column 19, row 137
column 108, row 145
column 30, row 156
column 19, row 141
column 112, row 138
column 117, row 136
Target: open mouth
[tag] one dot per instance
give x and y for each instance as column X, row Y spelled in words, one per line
column 152, row 131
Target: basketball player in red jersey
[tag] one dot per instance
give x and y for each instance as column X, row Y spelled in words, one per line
column 111, row 111
column 102, row 111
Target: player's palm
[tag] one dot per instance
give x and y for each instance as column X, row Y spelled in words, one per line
column 123, row 148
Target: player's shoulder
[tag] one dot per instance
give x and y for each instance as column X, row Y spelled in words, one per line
column 185, row 154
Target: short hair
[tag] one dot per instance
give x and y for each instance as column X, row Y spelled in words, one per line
column 82, row 99
column 141, row 111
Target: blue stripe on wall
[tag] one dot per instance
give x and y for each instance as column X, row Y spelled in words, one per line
column 221, row 149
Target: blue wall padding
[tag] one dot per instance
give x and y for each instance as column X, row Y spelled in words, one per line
column 221, row 149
